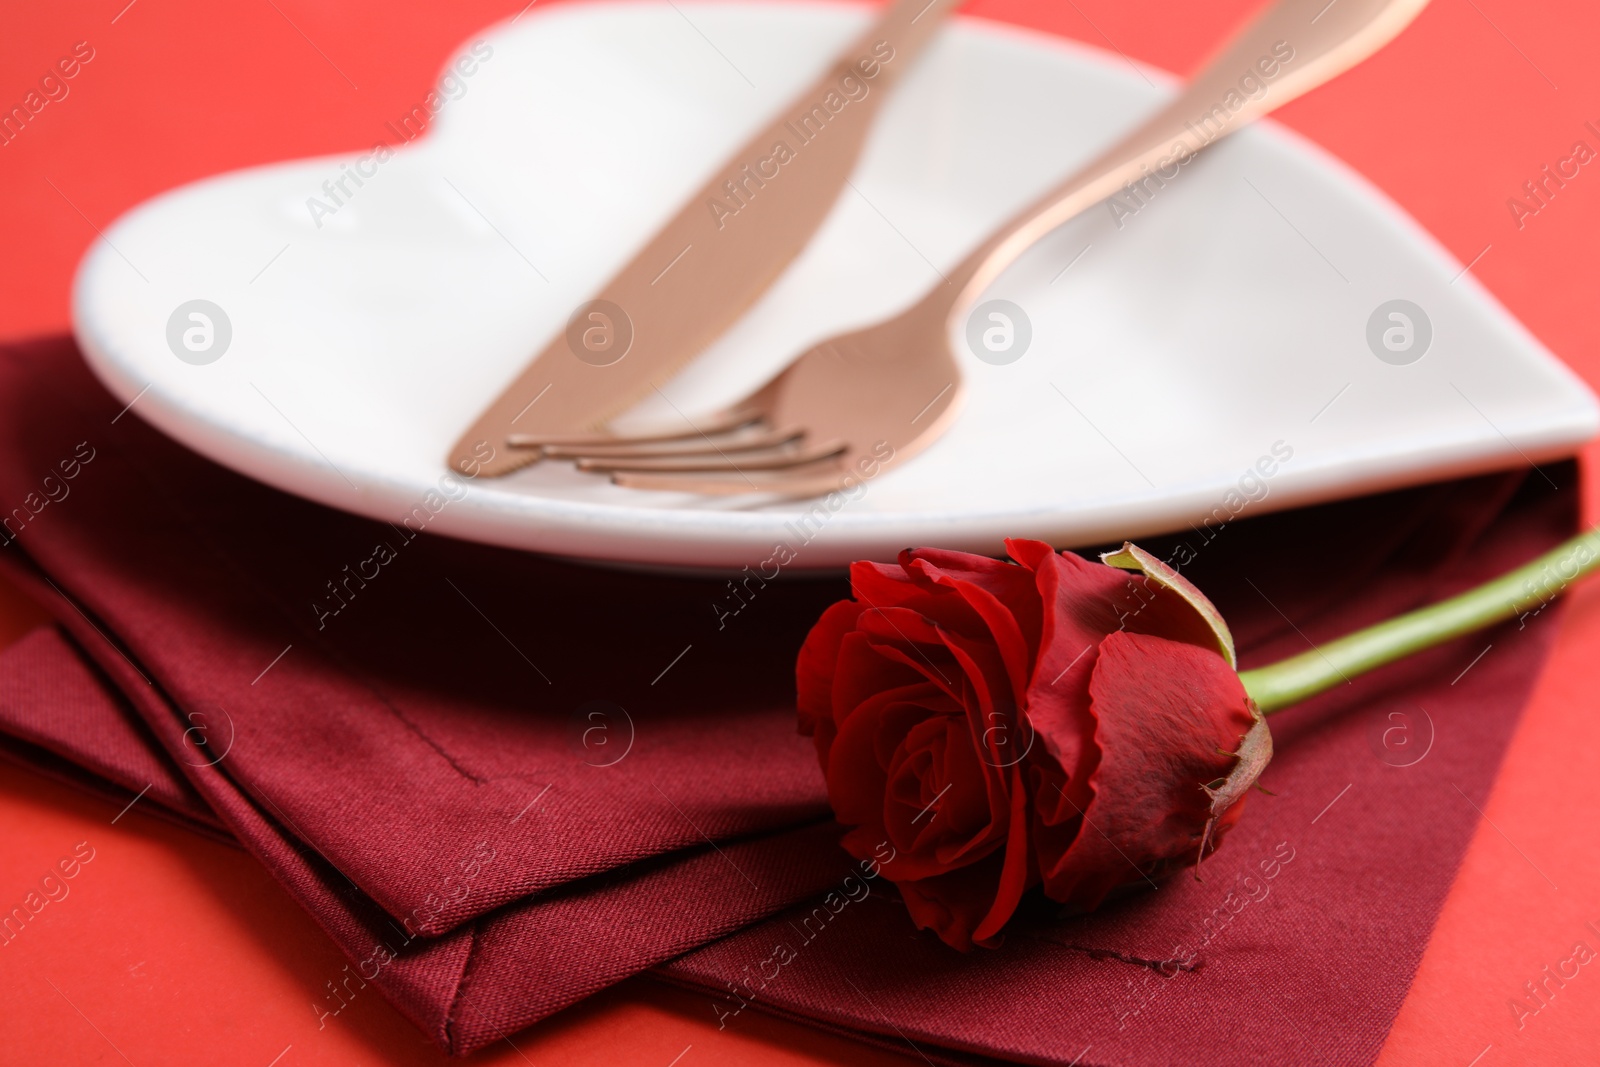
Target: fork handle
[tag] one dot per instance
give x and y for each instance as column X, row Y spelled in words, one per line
column 1291, row 48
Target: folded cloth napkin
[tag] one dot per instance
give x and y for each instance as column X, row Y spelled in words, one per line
column 501, row 783
column 412, row 734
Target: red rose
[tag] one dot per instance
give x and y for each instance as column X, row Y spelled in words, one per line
column 992, row 726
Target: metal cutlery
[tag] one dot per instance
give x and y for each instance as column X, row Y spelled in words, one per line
column 849, row 408
column 721, row 251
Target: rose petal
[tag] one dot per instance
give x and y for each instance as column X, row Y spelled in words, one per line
column 817, row 666
column 947, row 817
column 912, row 640
column 886, row 585
column 1001, row 596
column 958, row 904
column 980, row 781
column 1168, row 716
column 1080, row 599
column 857, row 771
column 1019, row 870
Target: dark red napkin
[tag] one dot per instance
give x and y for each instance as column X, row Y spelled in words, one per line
column 422, row 769
column 502, row 783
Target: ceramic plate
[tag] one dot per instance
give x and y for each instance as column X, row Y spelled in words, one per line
column 1227, row 348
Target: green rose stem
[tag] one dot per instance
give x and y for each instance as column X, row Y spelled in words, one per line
column 1517, row 592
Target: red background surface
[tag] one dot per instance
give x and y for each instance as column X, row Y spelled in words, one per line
column 174, row 950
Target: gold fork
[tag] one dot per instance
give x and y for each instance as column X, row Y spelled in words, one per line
column 857, row 404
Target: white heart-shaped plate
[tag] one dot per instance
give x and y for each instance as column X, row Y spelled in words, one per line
column 1205, row 356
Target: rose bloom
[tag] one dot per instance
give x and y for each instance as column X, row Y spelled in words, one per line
column 1049, row 721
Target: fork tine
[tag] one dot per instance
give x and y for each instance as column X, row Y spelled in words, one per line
column 625, row 448
column 722, row 422
column 776, row 459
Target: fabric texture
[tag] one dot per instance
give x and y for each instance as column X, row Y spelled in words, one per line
column 501, row 783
